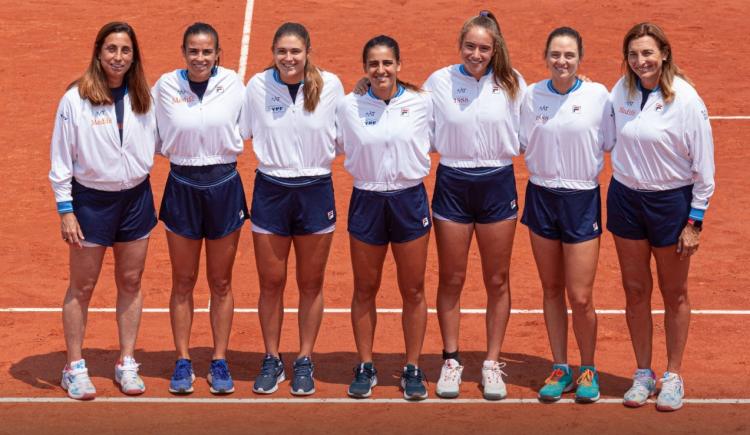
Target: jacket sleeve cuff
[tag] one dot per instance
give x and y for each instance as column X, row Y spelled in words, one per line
column 65, row 207
column 697, row 214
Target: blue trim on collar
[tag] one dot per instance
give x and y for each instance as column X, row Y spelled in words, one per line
column 577, row 85
column 641, row 88
column 462, row 69
column 399, row 92
column 277, row 77
column 184, row 73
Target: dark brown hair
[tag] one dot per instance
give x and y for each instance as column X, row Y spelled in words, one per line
column 668, row 68
column 565, row 31
column 92, row 85
column 502, row 70
column 313, row 80
column 202, row 29
column 387, row 41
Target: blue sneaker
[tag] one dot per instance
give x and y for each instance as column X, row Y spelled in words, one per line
column 588, row 385
column 559, row 382
column 365, row 377
column 303, row 383
column 182, row 378
column 270, row 376
column 219, row 378
column 412, row 382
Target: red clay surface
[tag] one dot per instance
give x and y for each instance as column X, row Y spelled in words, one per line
column 50, row 44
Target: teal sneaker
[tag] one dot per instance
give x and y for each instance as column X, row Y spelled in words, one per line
column 588, row 385
column 559, row 382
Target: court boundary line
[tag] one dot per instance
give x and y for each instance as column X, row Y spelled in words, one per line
column 245, row 44
column 729, row 117
column 341, row 401
column 379, row 311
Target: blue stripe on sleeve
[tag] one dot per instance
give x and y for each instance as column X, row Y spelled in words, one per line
column 697, row 214
column 65, row 207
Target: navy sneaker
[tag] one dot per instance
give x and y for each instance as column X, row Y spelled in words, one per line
column 365, row 377
column 182, row 378
column 303, row 383
column 412, row 382
column 270, row 376
column 219, row 378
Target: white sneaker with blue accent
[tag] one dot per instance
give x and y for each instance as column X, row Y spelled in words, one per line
column 671, row 394
column 76, row 381
column 644, row 386
column 126, row 376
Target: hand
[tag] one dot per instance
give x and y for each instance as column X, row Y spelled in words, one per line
column 71, row 231
column 688, row 242
column 361, row 87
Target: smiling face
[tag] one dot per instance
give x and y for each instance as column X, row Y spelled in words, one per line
column 115, row 57
column 289, row 57
column 382, row 69
column 201, row 54
column 477, row 49
column 645, row 60
column 563, row 59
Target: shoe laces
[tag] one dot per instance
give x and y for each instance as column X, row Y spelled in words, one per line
column 303, row 367
column 671, row 385
column 363, row 374
column 586, row 379
column 219, row 370
column 496, row 372
column 555, row 377
column 182, row 369
column 270, row 365
column 451, row 372
column 414, row 376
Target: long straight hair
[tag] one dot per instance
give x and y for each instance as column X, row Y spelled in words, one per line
column 502, row 70
column 669, row 69
column 92, row 85
column 313, row 87
column 392, row 44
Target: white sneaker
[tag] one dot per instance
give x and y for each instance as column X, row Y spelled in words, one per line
column 492, row 380
column 644, row 386
column 450, row 379
column 126, row 376
column 671, row 394
column 76, row 381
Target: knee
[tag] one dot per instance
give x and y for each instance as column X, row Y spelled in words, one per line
column 365, row 295
column 220, row 286
column 581, row 303
column 310, row 287
column 413, row 295
column 184, row 282
column 497, row 285
column 675, row 296
column 637, row 292
column 130, row 282
column 553, row 291
column 82, row 291
column 271, row 284
column 451, row 283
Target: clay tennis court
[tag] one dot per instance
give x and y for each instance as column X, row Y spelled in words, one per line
column 47, row 45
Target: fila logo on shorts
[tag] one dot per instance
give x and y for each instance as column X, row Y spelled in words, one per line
column 425, row 222
column 513, row 204
column 595, row 226
column 331, row 214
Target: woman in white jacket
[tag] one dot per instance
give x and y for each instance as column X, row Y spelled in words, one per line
column 102, row 152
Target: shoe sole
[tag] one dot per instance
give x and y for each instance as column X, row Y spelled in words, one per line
column 215, row 390
column 415, row 398
column 587, row 399
column 281, row 378
column 302, row 392
column 366, row 395
column 184, row 390
column 447, row 394
column 87, row 396
column 663, row 408
column 550, row 399
column 130, row 392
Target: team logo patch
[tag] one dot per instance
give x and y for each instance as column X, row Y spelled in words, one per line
column 183, row 97
column 576, row 109
column 275, row 109
column 64, row 117
column 703, row 112
column 659, row 107
column 220, row 89
column 496, row 89
column 513, row 204
column 425, row 222
column 460, row 96
column 624, row 111
column 100, row 118
column 331, row 214
column 369, row 118
column 629, row 103
column 404, row 111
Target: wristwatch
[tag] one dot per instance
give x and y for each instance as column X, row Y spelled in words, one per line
column 698, row 225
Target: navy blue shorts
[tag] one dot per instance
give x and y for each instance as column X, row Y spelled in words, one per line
column 107, row 218
column 203, row 201
column 293, row 206
column 481, row 195
column 568, row 215
column 398, row 216
column 658, row 216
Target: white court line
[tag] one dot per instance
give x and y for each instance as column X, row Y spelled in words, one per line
column 245, row 47
column 341, row 401
column 379, row 310
column 729, row 117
